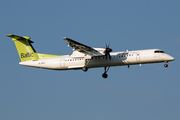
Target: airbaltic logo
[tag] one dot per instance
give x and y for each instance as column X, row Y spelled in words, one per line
column 25, row 55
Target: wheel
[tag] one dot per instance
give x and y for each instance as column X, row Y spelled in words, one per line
column 84, row 69
column 104, row 75
column 166, row 65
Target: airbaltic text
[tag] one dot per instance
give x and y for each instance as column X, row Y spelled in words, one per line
column 25, row 55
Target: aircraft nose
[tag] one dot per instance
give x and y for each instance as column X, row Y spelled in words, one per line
column 171, row 58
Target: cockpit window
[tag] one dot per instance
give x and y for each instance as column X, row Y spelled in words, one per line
column 159, row 51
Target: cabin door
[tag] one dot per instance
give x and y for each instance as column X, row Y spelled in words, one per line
column 138, row 56
column 62, row 63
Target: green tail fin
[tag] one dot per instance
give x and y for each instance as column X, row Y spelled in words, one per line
column 25, row 49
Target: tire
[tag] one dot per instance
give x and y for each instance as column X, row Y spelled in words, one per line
column 166, row 65
column 84, row 69
column 104, row 75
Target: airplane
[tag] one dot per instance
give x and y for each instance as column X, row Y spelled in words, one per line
column 85, row 57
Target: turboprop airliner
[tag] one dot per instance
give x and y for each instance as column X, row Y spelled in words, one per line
column 85, row 57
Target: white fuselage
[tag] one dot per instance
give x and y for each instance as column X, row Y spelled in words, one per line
column 79, row 60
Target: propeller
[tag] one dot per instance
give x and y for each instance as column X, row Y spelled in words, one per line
column 107, row 51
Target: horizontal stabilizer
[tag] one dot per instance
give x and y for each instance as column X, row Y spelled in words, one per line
column 19, row 37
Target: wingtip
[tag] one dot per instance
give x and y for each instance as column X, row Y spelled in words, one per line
column 64, row 38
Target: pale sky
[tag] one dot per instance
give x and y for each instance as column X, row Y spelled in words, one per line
column 147, row 92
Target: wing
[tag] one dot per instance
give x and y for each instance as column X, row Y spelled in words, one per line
column 81, row 47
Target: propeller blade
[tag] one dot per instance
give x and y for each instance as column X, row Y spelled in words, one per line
column 107, row 51
column 109, row 44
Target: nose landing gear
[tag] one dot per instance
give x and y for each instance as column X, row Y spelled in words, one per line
column 166, row 65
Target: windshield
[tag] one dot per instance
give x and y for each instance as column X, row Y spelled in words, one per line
column 159, row 51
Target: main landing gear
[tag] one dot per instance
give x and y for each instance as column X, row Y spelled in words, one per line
column 104, row 75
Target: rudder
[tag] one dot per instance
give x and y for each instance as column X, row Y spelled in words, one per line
column 25, row 49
